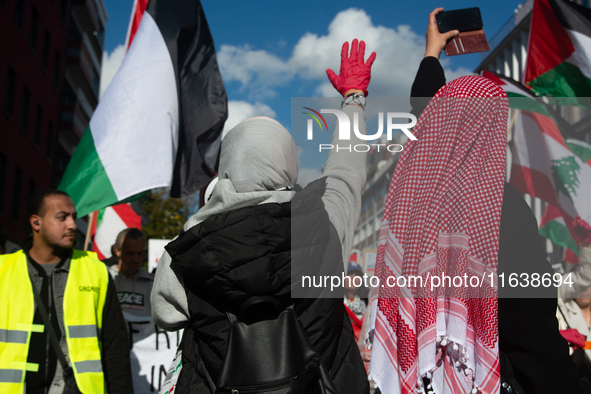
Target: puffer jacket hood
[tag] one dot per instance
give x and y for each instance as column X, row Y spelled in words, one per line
column 234, row 256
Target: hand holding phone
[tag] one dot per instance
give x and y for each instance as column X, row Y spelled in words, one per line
column 437, row 41
column 468, row 22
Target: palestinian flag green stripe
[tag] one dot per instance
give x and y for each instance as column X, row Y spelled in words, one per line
column 557, row 232
column 564, row 80
column 86, row 180
column 527, row 103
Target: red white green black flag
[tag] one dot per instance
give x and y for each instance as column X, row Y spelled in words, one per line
column 559, row 50
column 159, row 123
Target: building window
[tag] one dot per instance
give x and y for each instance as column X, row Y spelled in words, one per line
column 2, row 181
column 46, row 47
column 9, row 92
column 49, row 144
column 38, row 126
column 19, row 13
column 56, row 69
column 24, row 123
column 16, row 195
column 33, row 33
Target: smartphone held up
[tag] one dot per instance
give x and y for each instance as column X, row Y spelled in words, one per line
column 468, row 22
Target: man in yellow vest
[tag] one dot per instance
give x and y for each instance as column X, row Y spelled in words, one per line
column 81, row 303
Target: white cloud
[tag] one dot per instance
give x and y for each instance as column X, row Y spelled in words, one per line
column 399, row 52
column 109, row 67
column 257, row 70
column 307, row 175
column 241, row 110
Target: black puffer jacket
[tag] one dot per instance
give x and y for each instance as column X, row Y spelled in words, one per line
column 234, row 256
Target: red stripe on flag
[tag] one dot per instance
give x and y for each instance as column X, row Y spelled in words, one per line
column 549, row 43
column 93, row 224
column 98, row 252
column 533, row 182
column 494, row 78
column 92, row 233
column 537, row 184
column 128, row 215
column 550, row 213
column 139, row 6
column 548, row 126
column 570, row 257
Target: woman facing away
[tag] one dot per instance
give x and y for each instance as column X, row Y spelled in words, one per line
column 239, row 244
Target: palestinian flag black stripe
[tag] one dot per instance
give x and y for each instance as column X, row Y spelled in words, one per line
column 201, row 93
column 572, row 16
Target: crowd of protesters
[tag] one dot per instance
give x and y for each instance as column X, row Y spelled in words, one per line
column 227, row 278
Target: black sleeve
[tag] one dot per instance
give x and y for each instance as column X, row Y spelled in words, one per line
column 116, row 362
column 528, row 329
column 430, row 78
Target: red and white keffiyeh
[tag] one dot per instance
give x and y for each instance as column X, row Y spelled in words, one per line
column 442, row 217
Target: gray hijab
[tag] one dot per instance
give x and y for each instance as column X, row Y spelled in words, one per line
column 258, row 157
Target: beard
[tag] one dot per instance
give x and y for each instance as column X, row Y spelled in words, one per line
column 60, row 244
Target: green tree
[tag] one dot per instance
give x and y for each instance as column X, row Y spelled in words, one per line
column 163, row 217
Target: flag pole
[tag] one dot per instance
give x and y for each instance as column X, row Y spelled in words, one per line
column 87, row 239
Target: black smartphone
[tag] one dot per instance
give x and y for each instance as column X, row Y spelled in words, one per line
column 465, row 19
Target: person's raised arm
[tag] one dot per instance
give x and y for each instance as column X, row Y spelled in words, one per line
column 430, row 76
column 346, row 169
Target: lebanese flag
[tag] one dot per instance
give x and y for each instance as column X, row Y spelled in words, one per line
column 107, row 223
column 546, row 165
column 159, row 123
column 559, row 51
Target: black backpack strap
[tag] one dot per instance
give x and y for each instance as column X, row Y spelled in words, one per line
column 52, row 336
column 210, row 381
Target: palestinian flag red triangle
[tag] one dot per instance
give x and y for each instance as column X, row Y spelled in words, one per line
column 559, row 51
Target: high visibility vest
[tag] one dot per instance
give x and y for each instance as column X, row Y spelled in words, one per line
column 84, row 300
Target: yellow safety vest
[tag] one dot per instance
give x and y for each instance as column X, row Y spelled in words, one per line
column 84, row 300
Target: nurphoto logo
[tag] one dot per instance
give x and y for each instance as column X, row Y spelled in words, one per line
column 345, row 129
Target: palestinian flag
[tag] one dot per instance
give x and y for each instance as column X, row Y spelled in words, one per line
column 519, row 96
column 559, row 51
column 107, row 223
column 546, row 165
column 159, row 123
column 553, row 227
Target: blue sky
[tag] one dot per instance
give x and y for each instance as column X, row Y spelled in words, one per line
column 271, row 51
